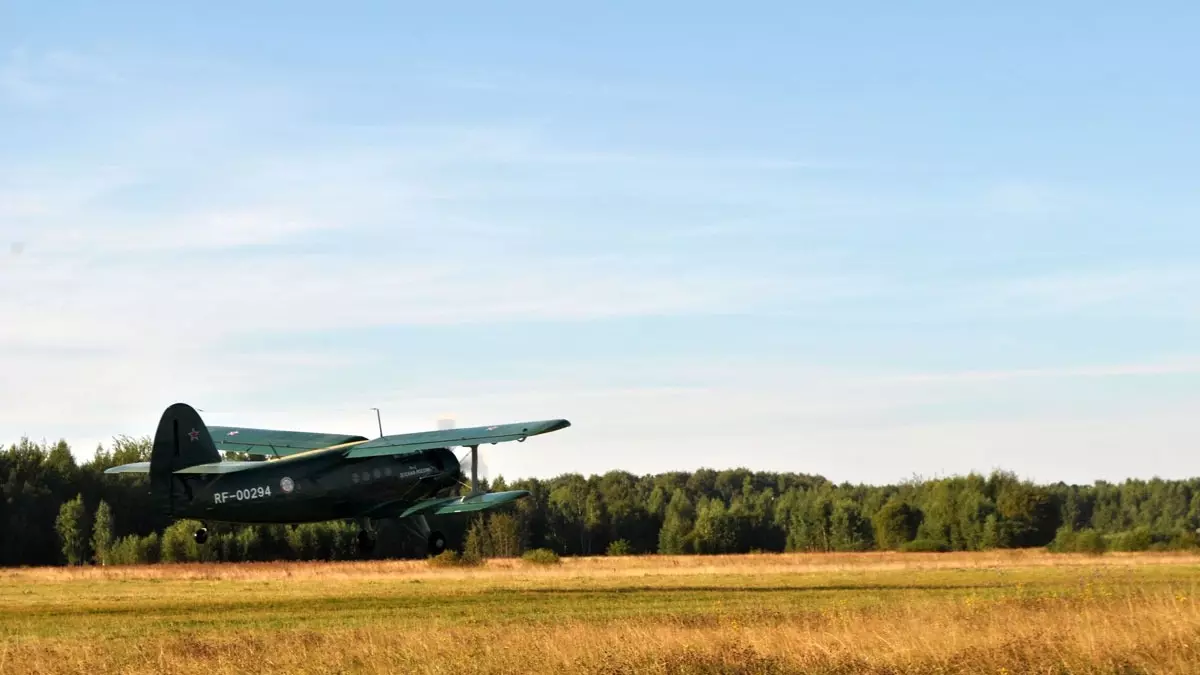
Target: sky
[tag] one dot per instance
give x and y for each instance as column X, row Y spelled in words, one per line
column 868, row 241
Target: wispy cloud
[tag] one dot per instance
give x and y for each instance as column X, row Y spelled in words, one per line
column 1032, row 199
column 1183, row 366
column 843, row 424
column 181, row 235
column 17, row 84
column 1157, row 287
column 519, row 83
column 145, row 265
column 36, row 78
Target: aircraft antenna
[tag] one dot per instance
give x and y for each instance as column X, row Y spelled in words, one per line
column 379, row 420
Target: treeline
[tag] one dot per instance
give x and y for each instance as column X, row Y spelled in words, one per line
column 55, row 511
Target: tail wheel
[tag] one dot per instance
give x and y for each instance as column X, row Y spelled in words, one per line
column 201, row 535
column 436, row 543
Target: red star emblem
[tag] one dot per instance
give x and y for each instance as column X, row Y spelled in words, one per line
column 194, row 435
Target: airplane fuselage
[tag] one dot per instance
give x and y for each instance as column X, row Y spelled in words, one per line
column 315, row 486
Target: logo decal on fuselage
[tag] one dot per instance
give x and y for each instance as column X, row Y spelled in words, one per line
column 286, row 484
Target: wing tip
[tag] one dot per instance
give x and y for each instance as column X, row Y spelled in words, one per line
column 133, row 467
column 553, row 425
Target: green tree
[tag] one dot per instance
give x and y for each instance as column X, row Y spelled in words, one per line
column 102, row 534
column 72, row 530
column 849, row 530
column 676, row 533
column 1027, row 514
column 477, row 547
column 568, row 504
column 715, row 530
column 504, row 536
column 809, row 527
column 895, row 524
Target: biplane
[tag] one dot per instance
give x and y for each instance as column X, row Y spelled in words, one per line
column 310, row 477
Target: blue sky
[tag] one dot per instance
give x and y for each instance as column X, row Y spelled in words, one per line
column 869, row 242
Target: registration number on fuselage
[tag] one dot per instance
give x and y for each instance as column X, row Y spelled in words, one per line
column 242, row 495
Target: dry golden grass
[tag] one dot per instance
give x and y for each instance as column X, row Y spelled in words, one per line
column 1004, row 612
column 627, row 565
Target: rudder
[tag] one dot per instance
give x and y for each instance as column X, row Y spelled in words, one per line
column 182, row 440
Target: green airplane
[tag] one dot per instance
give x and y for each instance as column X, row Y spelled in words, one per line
column 312, row 477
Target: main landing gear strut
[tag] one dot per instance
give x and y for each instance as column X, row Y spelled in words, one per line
column 366, row 536
column 435, row 542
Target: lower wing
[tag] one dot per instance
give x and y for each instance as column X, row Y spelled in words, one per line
column 446, row 505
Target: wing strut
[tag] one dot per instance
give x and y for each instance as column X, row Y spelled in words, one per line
column 474, row 470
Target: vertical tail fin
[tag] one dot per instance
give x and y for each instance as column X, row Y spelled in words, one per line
column 182, row 440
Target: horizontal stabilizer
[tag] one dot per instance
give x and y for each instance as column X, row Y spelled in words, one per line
column 207, row 469
column 441, row 507
column 275, row 442
column 404, row 444
column 219, row 467
column 136, row 467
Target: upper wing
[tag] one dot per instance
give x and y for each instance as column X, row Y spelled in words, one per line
column 275, row 442
column 404, row 444
column 281, row 443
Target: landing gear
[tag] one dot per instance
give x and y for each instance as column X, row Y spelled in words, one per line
column 366, row 541
column 366, row 535
column 436, row 543
column 201, row 535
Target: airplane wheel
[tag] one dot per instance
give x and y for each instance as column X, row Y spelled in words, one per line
column 436, row 543
column 201, row 535
column 365, row 541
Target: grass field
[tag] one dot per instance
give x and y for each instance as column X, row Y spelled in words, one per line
column 1004, row 612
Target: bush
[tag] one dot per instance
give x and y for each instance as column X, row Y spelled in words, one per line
column 1137, row 539
column 134, row 550
column 541, row 556
column 177, row 544
column 1090, row 541
column 1184, row 541
column 1065, row 540
column 447, row 558
column 924, row 546
column 451, row 558
column 1087, row 540
column 619, row 547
